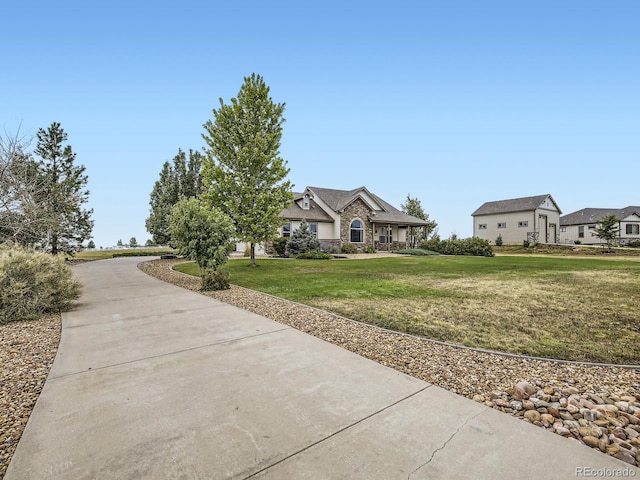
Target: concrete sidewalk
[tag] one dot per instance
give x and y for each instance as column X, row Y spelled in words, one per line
column 153, row 381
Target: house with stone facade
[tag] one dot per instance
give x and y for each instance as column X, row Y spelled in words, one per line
column 358, row 217
column 580, row 226
column 534, row 219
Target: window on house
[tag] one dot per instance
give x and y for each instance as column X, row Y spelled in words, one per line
column 313, row 228
column 523, row 224
column 357, row 232
column 305, row 202
column 581, row 231
column 563, row 229
column 633, row 229
column 502, row 225
column 286, row 230
column 385, row 234
column 482, row 226
column 592, row 227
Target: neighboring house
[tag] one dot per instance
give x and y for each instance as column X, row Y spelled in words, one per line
column 534, row 219
column 580, row 225
column 339, row 217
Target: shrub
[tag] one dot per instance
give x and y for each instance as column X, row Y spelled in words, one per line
column 453, row 246
column 314, row 255
column 577, row 242
column 634, row 244
column 32, row 284
column 369, row 249
column 526, row 244
column 280, row 246
column 349, row 248
column 214, row 280
column 416, row 251
column 247, row 250
column 499, row 241
column 302, row 240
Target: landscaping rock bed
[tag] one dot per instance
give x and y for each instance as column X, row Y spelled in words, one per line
column 27, row 350
column 597, row 406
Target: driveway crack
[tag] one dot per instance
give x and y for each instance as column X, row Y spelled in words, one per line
column 433, row 454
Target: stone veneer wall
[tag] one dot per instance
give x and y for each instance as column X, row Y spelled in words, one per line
column 359, row 210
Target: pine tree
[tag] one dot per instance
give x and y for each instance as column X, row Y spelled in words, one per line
column 182, row 179
column 64, row 193
column 244, row 174
column 302, row 240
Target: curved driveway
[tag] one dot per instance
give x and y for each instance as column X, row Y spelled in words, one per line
column 152, row 381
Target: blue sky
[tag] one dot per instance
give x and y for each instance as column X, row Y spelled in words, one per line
column 453, row 102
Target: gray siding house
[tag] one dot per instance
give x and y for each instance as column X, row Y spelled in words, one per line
column 580, row 226
column 357, row 216
column 534, row 219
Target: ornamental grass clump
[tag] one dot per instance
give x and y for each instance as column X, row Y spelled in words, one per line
column 32, row 284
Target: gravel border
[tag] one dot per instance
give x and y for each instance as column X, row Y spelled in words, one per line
column 596, row 405
column 27, row 351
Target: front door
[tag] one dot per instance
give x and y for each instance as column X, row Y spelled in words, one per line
column 544, row 233
column 552, row 233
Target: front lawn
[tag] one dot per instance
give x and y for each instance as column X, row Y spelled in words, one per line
column 555, row 307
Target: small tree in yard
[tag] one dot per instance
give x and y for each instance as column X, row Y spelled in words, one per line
column 607, row 229
column 202, row 233
column 302, row 240
column 133, row 242
column 91, row 244
column 244, row 174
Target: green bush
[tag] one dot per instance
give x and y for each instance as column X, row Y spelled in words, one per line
column 142, row 253
column 280, row 246
column 349, row 248
column 577, row 242
column 416, row 251
column 302, row 240
column 453, row 246
column 634, row 244
column 32, row 284
column 369, row 249
column 499, row 241
column 526, row 244
column 214, row 280
column 314, row 255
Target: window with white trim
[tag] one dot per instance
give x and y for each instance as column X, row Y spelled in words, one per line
column 581, row 231
column 286, row 230
column 385, row 234
column 482, row 226
column 502, row 225
column 523, row 224
column 632, row 229
column 357, row 232
column 313, row 228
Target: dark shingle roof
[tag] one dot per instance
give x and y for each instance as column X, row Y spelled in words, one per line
column 594, row 215
column 340, row 199
column 314, row 214
column 512, row 205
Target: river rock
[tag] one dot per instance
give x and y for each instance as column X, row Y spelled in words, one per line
column 523, row 390
column 532, row 415
column 593, row 442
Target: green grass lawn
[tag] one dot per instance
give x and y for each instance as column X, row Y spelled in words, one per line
column 556, row 307
column 125, row 252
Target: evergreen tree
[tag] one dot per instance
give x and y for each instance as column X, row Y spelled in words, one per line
column 607, row 229
column 302, row 240
column 244, row 174
column 91, row 244
column 182, row 179
column 133, row 242
column 64, row 193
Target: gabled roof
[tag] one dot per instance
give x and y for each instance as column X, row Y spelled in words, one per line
column 315, row 213
column 338, row 200
column 523, row 204
column 594, row 215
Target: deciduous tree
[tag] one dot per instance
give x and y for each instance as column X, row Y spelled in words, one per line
column 413, row 207
column 244, row 174
column 201, row 232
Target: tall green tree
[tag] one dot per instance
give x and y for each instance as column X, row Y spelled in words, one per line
column 64, row 193
column 608, row 229
column 244, row 174
column 180, row 179
column 413, row 207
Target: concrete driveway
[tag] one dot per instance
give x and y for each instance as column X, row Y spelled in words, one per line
column 152, row 381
